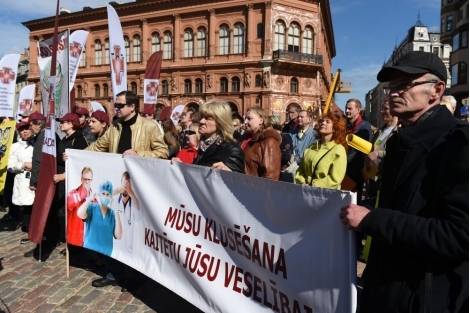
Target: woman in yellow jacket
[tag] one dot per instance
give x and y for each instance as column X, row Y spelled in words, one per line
column 324, row 163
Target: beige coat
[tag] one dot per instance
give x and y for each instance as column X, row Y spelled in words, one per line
column 147, row 140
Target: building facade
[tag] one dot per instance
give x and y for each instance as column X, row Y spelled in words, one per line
column 419, row 38
column 454, row 31
column 251, row 53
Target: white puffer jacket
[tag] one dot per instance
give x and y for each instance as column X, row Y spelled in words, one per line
column 21, row 152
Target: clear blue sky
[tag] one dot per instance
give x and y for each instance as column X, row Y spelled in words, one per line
column 365, row 31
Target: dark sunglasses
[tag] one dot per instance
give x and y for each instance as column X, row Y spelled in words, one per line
column 189, row 132
column 119, row 106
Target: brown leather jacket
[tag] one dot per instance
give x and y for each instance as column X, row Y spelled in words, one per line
column 263, row 154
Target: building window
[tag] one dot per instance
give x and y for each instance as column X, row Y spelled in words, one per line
column 134, row 87
column 167, row 46
column 464, row 39
column 294, row 86
column 188, row 43
column 187, row 86
column 224, row 40
column 83, row 58
column 454, row 74
column 449, row 23
column 136, row 49
column 435, row 50
column 156, row 46
column 235, row 84
column 239, row 39
column 106, row 51
column 462, row 77
column 105, row 90
column 98, row 53
column 421, row 48
column 279, row 36
column 127, row 48
column 456, row 42
column 199, row 85
column 97, row 91
column 223, row 84
column 307, row 41
column 259, row 30
column 258, row 81
column 201, row 42
column 293, row 39
column 79, row 92
column 165, row 88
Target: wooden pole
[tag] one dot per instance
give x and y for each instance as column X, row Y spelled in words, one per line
column 331, row 94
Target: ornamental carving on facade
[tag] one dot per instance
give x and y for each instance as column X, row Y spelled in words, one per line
column 247, row 79
column 208, row 81
column 173, row 85
column 279, row 82
column 266, row 79
column 308, row 83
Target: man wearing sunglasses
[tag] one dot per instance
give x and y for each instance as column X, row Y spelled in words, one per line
column 131, row 134
column 418, row 260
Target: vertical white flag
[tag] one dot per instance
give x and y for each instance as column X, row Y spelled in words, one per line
column 61, row 80
column 8, row 71
column 117, row 53
column 77, row 43
column 26, row 100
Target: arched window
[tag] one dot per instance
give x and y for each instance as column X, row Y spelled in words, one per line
column 106, row 51
column 188, row 86
column 134, row 87
column 79, row 92
column 224, row 40
column 279, row 36
column 127, row 48
column 235, row 84
column 294, row 86
column 293, row 39
column 167, row 46
column 165, row 88
column 83, row 58
column 98, row 52
column 188, row 43
column 201, row 43
column 105, row 90
column 97, row 91
column 223, row 84
column 239, row 39
column 136, row 49
column 258, row 81
column 199, row 86
column 307, row 41
column 156, row 45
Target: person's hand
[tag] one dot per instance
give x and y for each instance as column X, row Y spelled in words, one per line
column 27, row 166
column 176, row 160
column 65, row 156
column 352, row 215
column 221, row 166
column 130, row 152
column 372, row 156
column 58, row 178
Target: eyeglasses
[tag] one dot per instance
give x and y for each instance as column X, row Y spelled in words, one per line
column 36, row 122
column 189, row 132
column 87, row 179
column 405, row 86
column 119, row 106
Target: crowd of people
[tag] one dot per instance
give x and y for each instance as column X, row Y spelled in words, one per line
column 412, row 187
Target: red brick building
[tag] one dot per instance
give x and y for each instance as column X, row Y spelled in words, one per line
column 258, row 52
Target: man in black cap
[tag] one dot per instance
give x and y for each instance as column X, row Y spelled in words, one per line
column 418, row 260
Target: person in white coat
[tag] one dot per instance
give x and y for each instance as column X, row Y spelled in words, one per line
column 20, row 163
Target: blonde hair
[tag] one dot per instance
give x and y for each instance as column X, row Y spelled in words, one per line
column 262, row 114
column 221, row 112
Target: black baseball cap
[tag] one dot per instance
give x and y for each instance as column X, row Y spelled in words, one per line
column 414, row 63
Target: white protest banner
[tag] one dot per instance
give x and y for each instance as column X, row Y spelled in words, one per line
column 8, row 71
column 117, row 52
column 61, row 80
column 77, row 44
column 26, row 100
column 224, row 241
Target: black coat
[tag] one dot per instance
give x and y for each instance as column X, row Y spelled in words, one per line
column 418, row 260
column 229, row 153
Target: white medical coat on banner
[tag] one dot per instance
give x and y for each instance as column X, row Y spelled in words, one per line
column 228, row 242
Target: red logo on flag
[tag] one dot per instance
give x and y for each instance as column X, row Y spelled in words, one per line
column 7, row 75
column 75, row 49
